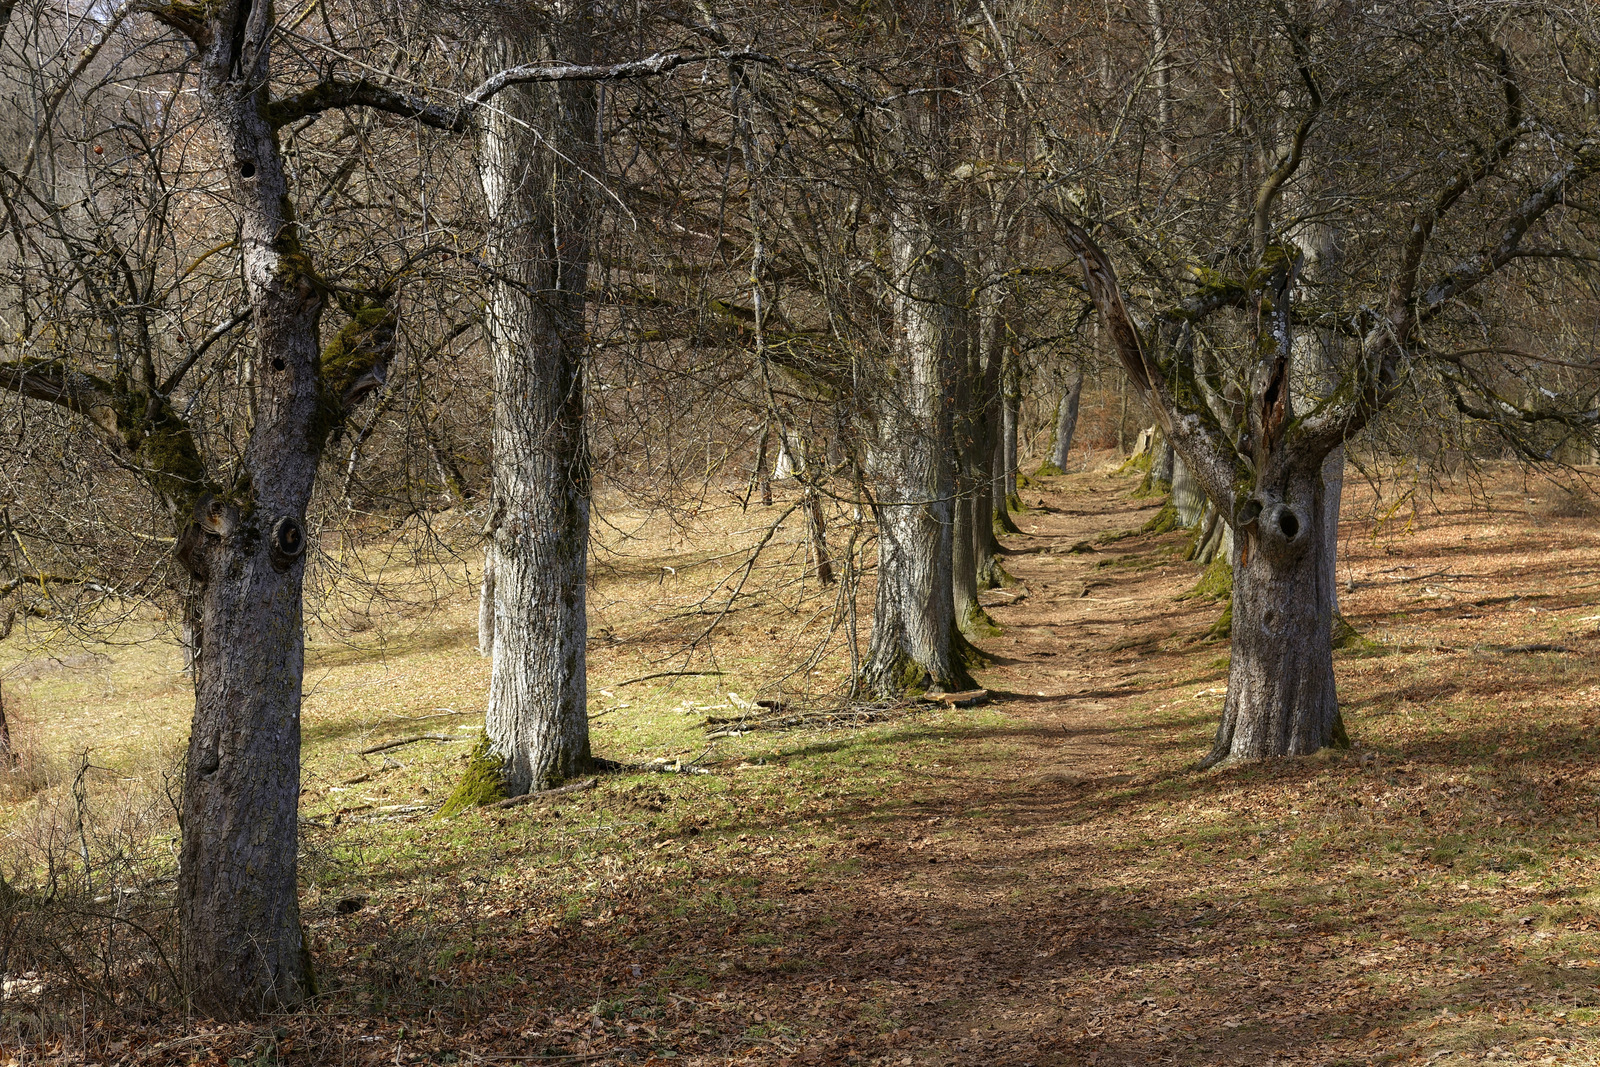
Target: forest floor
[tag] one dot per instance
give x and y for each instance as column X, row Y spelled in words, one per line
column 1043, row 879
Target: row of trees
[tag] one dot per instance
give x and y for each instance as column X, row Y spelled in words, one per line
column 248, row 251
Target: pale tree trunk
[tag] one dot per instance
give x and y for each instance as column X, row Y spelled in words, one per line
column 915, row 644
column 1067, row 418
column 539, row 203
column 1188, row 499
column 785, row 467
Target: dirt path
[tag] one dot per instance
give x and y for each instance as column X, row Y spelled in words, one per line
column 991, row 921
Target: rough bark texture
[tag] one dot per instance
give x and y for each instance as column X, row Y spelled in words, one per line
column 238, row 908
column 537, row 720
column 914, row 641
column 1187, row 497
column 1281, row 698
column 1067, row 418
column 1010, row 409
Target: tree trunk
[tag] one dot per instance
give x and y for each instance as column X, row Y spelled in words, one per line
column 998, row 479
column 242, row 952
column 1281, row 698
column 991, row 575
column 539, row 206
column 969, row 614
column 819, row 535
column 1161, row 466
column 1187, row 496
column 1010, row 406
column 8, row 752
column 981, row 349
column 915, row 643
column 1067, row 418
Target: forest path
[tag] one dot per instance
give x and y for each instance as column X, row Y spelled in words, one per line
column 1011, row 896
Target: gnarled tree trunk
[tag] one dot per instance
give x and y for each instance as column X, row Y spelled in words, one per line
column 243, row 951
column 539, row 204
column 1281, row 698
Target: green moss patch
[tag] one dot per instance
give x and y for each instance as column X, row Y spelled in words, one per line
column 483, row 783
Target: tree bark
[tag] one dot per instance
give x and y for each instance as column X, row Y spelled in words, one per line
column 539, row 205
column 1187, row 497
column 1010, row 406
column 243, row 952
column 818, row 529
column 486, row 603
column 1281, row 699
column 915, row 644
column 8, row 752
column 985, row 510
column 1067, row 418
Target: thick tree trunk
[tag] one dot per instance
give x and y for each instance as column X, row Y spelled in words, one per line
column 1067, row 418
column 539, row 203
column 915, row 643
column 242, row 951
column 969, row 614
column 1161, row 467
column 997, row 481
column 1281, row 698
column 991, row 574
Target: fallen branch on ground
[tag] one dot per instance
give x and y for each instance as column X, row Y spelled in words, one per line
column 441, row 738
column 669, row 674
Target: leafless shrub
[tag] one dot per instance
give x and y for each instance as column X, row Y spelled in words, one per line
column 86, row 903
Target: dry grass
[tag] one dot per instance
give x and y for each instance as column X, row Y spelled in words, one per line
column 1043, row 880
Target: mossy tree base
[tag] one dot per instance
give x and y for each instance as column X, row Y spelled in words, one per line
column 977, row 623
column 1216, row 582
column 484, row 781
column 1163, row 521
column 995, row 576
column 1346, row 638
